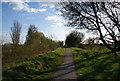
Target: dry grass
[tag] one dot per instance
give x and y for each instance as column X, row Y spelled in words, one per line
column 12, row 54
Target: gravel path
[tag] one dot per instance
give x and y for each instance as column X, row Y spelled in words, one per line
column 67, row 68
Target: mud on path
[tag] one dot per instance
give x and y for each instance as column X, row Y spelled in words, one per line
column 67, row 69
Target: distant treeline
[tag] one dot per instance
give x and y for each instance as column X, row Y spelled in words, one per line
column 35, row 44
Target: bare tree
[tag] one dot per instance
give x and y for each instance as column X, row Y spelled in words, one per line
column 100, row 17
column 15, row 32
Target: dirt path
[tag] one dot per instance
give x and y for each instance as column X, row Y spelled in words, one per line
column 67, row 68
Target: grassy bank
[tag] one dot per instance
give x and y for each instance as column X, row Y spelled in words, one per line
column 96, row 65
column 10, row 53
column 40, row 67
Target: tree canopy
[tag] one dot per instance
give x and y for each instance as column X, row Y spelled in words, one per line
column 100, row 17
column 74, row 38
column 33, row 36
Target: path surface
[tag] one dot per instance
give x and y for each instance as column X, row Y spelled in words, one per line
column 67, row 69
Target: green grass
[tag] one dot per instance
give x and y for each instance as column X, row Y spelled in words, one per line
column 96, row 65
column 96, row 48
column 40, row 67
column 10, row 53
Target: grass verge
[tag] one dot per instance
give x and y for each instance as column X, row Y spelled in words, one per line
column 94, row 65
column 40, row 67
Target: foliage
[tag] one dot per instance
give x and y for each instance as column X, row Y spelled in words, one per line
column 37, row 68
column 96, row 65
column 33, row 36
column 74, row 38
column 35, row 44
column 96, row 17
column 15, row 32
column 60, row 43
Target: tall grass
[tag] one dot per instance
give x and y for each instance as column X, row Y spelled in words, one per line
column 37, row 68
column 11, row 53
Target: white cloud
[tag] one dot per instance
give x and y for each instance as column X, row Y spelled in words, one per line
column 12, row 0
column 58, row 20
column 62, row 0
column 54, row 18
column 50, row 5
column 57, row 29
column 32, row 0
column 20, row 5
column 58, row 13
column 58, row 33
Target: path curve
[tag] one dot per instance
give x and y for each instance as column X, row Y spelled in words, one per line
column 67, row 69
